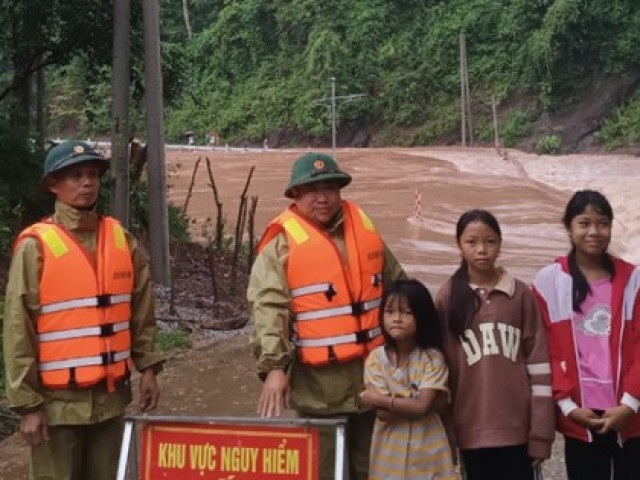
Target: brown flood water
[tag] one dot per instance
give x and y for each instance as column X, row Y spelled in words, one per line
column 384, row 185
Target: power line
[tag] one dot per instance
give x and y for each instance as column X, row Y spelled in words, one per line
column 331, row 102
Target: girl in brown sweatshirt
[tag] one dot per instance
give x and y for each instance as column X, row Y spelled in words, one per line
column 494, row 343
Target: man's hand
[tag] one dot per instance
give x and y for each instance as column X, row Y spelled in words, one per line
column 587, row 418
column 616, row 419
column 275, row 394
column 149, row 391
column 33, row 427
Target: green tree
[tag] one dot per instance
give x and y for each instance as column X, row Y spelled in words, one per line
column 34, row 35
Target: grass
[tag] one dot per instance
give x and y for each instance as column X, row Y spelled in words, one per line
column 169, row 339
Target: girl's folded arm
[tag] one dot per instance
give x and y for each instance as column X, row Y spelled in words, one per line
column 417, row 406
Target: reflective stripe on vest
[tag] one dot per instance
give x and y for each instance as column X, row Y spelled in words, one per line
column 97, row 360
column 99, row 301
column 355, row 309
column 83, row 323
column 365, row 335
column 335, row 303
column 102, row 331
column 309, row 289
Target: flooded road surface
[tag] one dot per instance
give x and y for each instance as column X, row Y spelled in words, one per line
column 385, row 182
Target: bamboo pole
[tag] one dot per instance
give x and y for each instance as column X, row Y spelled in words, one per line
column 240, row 222
column 211, row 263
column 176, row 249
column 241, row 211
column 251, row 228
column 219, row 220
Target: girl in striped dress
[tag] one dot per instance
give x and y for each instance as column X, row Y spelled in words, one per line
column 403, row 380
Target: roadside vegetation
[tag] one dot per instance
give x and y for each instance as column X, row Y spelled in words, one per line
column 622, row 129
column 251, row 69
column 167, row 340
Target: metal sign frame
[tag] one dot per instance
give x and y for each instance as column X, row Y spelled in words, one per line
column 130, row 443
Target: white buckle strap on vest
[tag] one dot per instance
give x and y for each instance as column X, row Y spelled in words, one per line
column 99, row 301
column 376, row 279
column 84, row 361
column 365, row 335
column 354, row 309
column 104, row 330
column 309, row 289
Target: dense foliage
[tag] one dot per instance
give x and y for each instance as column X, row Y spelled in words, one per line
column 20, row 171
column 623, row 127
column 257, row 67
column 254, row 67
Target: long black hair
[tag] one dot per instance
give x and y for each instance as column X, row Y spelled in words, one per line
column 463, row 301
column 577, row 205
column 428, row 333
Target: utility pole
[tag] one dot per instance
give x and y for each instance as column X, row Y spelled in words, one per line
column 120, row 110
column 333, row 117
column 158, row 224
column 468, row 94
column 331, row 102
column 465, row 97
column 495, row 121
column 463, row 101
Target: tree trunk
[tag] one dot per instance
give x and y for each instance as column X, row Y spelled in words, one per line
column 40, row 108
column 22, row 116
column 187, row 21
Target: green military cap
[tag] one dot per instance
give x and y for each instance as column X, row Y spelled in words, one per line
column 70, row 153
column 315, row 167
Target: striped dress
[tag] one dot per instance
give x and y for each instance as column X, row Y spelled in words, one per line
column 411, row 448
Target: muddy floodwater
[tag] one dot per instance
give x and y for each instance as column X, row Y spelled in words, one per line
column 415, row 197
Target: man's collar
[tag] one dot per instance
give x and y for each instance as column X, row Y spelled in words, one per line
column 76, row 220
column 336, row 223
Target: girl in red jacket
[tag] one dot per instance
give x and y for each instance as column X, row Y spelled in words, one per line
column 589, row 301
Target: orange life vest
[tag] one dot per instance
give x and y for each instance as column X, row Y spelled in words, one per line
column 85, row 306
column 336, row 305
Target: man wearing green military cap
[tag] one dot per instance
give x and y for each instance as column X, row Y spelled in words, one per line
column 78, row 317
column 315, row 291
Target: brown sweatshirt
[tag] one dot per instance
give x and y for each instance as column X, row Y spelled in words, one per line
column 500, row 374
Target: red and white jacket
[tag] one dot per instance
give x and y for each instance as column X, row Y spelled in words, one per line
column 553, row 288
